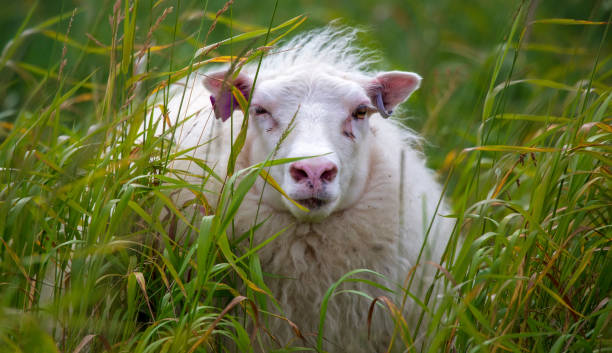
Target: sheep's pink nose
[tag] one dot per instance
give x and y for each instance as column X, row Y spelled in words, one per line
column 313, row 172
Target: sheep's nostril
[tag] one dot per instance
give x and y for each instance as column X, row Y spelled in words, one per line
column 298, row 174
column 313, row 172
column 330, row 174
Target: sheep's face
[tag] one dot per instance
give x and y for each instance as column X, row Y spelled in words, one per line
column 326, row 117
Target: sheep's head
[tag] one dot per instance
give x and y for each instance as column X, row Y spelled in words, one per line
column 330, row 114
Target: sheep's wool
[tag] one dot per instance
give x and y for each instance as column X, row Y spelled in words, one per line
column 380, row 227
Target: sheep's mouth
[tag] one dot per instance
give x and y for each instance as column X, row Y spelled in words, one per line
column 312, row 203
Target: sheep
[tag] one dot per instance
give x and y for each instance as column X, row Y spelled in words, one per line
column 368, row 194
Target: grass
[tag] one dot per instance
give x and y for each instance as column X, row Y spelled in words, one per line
column 519, row 123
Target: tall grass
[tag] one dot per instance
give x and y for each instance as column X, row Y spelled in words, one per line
column 533, row 271
column 89, row 260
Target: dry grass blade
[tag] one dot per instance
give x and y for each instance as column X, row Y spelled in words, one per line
column 141, row 282
column 517, row 149
column 397, row 316
column 446, row 273
column 89, row 338
column 567, row 21
column 237, row 300
column 16, row 259
column 504, row 179
column 296, row 330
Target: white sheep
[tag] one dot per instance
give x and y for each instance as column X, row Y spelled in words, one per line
column 365, row 211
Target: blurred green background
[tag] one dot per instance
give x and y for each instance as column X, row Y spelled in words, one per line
column 452, row 44
column 536, row 206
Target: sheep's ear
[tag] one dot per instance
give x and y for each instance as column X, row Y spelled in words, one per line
column 220, row 86
column 388, row 89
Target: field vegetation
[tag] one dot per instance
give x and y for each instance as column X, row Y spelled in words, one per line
column 516, row 114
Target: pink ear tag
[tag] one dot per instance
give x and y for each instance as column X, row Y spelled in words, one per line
column 381, row 106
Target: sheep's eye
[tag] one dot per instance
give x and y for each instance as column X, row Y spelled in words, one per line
column 360, row 112
column 260, row 111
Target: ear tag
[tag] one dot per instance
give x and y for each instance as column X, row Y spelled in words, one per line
column 381, row 106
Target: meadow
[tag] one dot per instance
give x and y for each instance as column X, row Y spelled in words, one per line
column 514, row 110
